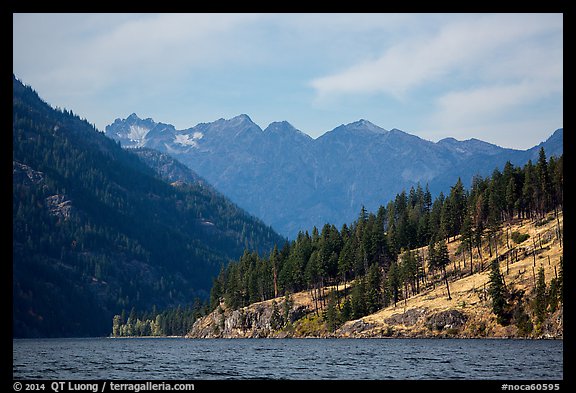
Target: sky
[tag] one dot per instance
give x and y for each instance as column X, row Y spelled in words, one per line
column 494, row 77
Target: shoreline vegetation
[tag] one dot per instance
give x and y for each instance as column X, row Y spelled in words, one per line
column 468, row 315
column 488, row 263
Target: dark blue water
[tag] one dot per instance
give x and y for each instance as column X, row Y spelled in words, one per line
column 176, row 358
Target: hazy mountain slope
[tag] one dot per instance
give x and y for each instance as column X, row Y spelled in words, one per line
column 294, row 182
column 96, row 230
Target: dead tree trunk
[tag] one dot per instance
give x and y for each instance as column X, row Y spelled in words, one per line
column 446, row 281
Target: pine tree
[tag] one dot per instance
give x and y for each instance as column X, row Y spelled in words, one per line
column 442, row 261
column 435, row 216
column 543, row 184
column 540, row 303
column 552, row 297
column 457, row 204
column 358, row 300
column 116, row 324
column 393, row 282
column 478, row 232
column 313, row 274
column 467, row 236
column 287, row 307
column 556, row 167
column 218, row 286
column 346, row 312
column 439, row 258
column 373, row 289
column 233, row 294
column 345, row 260
column 528, row 190
column 432, row 256
column 274, row 261
column 331, row 315
column 276, row 320
column 494, row 222
column 157, row 326
column 498, row 294
column 409, row 271
column 511, row 192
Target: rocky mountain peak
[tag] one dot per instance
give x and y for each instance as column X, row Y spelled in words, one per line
column 293, row 182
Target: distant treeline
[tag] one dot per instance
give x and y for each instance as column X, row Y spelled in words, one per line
column 374, row 252
column 171, row 322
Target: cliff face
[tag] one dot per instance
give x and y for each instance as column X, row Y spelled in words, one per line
column 264, row 319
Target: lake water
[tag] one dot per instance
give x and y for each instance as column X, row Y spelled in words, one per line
column 298, row 359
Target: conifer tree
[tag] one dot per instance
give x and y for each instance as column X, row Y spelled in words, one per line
column 528, row 190
column 467, row 236
column 345, row 260
column 116, row 324
column 331, row 315
column 346, row 312
column 373, row 289
column 498, row 294
column 543, row 184
column 443, row 259
column 276, row 320
column 540, row 303
column 358, row 300
column 394, row 282
column 457, row 205
column 274, row 261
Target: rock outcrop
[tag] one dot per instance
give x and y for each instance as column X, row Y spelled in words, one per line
column 59, row 206
column 264, row 319
column 444, row 320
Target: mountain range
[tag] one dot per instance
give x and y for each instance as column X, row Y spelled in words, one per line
column 98, row 229
column 294, row 182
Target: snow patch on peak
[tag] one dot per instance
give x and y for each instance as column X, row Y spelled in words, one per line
column 138, row 134
column 188, row 140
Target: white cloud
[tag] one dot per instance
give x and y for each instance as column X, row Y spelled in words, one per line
column 472, row 75
column 462, row 108
column 93, row 57
column 460, row 48
column 436, row 71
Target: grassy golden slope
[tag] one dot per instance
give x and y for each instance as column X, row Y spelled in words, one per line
column 519, row 264
column 469, row 292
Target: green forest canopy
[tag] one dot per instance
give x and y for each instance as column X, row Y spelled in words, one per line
column 374, row 251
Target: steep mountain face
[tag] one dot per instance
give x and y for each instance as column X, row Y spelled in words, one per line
column 98, row 229
column 168, row 168
column 293, row 182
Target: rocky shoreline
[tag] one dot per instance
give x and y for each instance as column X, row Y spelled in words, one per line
column 263, row 320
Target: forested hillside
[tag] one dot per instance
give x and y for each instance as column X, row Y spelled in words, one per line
column 96, row 231
column 375, row 257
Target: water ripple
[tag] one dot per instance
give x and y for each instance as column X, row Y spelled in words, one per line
column 287, row 359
